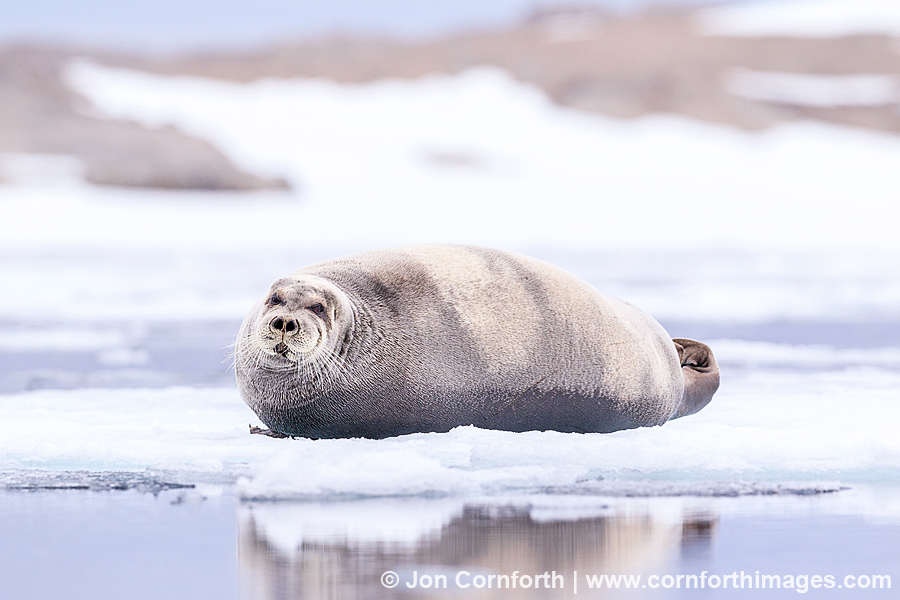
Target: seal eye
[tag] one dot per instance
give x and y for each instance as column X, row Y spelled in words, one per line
column 275, row 299
column 317, row 308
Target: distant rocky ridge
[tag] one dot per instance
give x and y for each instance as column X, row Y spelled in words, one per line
column 625, row 66
column 621, row 66
column 40, row 114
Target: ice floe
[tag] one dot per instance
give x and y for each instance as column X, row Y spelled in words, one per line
column 768, row 431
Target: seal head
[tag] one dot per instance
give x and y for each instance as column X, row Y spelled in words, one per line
column 297, row 334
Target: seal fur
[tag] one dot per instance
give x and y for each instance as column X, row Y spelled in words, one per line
column 427, row 338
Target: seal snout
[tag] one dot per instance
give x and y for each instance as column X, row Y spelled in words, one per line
column 282, row 325
column 288, row 334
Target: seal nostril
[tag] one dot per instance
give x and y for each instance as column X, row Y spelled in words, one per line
column 278, row 323
column 290, row 326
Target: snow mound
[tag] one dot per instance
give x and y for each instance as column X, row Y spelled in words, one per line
column 826, row 91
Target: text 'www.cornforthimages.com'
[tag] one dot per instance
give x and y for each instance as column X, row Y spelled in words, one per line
column 464, row 580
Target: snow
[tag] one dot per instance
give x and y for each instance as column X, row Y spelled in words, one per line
column 826, row 91
column 805, row 18
column 186, row 430
column 42, row 339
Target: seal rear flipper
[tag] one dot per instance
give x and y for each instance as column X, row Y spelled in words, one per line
column 701, row 375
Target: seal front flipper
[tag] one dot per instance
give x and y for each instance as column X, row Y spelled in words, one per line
column 701, row 375
column 268, row 432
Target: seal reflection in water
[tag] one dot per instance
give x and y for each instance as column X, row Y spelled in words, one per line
column 427, row 338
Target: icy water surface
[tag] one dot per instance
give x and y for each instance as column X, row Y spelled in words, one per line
column 201, row 543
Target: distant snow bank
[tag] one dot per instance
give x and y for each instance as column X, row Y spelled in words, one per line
column 804, row 18
column 825, row 91
column 476, row 157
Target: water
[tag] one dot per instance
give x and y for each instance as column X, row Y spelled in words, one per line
column 117, row 544
column 184, row 544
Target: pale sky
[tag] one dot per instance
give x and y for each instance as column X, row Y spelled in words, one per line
column 167, row 25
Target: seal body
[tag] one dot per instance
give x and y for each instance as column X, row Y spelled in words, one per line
column 427, row 338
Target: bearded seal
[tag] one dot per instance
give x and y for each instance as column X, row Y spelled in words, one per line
column 428, row 338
